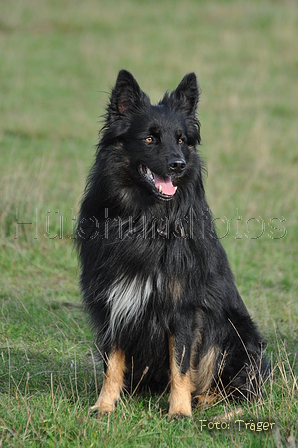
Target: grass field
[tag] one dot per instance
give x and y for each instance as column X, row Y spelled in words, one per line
column 58, row 60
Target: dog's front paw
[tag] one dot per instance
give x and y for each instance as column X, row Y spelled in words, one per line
column 105, row 404
column 179, row 408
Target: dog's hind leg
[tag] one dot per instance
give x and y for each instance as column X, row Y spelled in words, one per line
column 181, row 384
column 112, row 383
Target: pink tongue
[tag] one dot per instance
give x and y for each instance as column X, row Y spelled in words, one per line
column 166, row 185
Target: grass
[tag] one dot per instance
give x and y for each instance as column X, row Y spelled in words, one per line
column 57, row 63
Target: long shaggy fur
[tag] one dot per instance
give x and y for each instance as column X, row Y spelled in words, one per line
column 152, row 267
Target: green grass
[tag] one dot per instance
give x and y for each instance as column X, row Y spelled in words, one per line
column 58, row 60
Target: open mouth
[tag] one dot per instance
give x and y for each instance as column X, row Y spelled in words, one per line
column 162, row 186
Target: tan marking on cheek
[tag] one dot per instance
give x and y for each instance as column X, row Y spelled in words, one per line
column 112, row 383
column 181, row 386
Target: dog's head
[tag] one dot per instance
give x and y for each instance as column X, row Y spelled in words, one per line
column 157, row 143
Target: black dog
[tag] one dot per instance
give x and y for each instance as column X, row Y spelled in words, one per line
column 155, row 277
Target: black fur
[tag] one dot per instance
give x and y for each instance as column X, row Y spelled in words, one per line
column 159, row 252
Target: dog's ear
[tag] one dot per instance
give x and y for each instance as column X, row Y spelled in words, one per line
column 126, row 96
column 186, row 97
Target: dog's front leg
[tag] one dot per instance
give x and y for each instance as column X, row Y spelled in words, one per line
column 112, row 383
column 181, row 384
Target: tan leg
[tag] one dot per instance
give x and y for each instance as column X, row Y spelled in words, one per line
column 181, row 387
column 202, row 375
column 112, row 383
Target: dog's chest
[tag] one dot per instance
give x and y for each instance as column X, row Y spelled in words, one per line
column 129, row 298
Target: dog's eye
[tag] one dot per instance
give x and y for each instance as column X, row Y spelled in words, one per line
column 149, row 139
column 180, row 141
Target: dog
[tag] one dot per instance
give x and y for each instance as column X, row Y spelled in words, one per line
column 155, row 278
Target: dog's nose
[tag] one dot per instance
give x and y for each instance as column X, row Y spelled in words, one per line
column 177, row 165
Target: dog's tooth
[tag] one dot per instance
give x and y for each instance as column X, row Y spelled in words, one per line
column 160, row 189
column 149, row 174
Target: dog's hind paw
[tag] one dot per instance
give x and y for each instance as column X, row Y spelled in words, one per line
column 202, row 400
